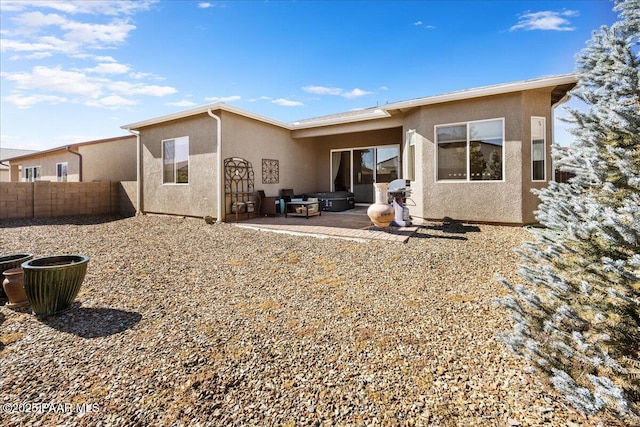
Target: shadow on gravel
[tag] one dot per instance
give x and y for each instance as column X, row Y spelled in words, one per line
column 63, row 220
column 92, row 322
column 451, row 226
column 420, row 235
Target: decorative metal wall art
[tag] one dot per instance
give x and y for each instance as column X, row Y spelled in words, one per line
column 270, row 171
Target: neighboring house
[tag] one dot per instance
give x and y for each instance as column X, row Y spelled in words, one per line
column 471, row 155
column 7, row 153
column 112, row 159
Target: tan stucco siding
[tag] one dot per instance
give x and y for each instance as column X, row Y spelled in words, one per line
column 254, row 141
column 48, row 168
column 109, row 161
column 469, row 201
column 198, row 197
column 534, row 104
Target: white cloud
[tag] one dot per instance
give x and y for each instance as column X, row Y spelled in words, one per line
column 112, row 101
column 109, row 68
column 223, row 98
column 322, row 90
column 56, row 80
column 183, row 103
column 57, row 33
column 355, row 93
column 204, row 5
column 23, row 102
column 423, row 25
column 287, row 102
column 83, row 88
column 104, row 7
column 97, row 35
column 545, row 20
column 39, row 19
column 139, row 88
column 79, row 30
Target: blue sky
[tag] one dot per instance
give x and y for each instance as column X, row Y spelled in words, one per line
column 74, row 71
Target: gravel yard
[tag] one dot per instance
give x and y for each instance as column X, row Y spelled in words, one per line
column 183, row 323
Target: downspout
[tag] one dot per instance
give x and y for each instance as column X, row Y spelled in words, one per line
column 80, row 164
column 138, row 174
column 219, row 164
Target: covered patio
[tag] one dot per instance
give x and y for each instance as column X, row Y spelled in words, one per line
column 353, row 224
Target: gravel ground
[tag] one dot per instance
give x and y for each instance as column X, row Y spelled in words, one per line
column 183, row 323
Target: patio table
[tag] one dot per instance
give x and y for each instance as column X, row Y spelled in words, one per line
column 293, row 206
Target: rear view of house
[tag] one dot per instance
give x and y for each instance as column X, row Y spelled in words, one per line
column 472, row 155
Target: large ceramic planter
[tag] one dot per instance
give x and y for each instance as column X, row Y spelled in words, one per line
column 381, row 213
column 7, row 262
column 13, row 286
column 52, row 283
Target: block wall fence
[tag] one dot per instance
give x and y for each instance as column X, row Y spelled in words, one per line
column 44, row 199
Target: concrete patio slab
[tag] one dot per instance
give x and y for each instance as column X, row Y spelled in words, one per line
column 353, row 224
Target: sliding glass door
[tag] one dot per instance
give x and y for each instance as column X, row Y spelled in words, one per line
column 356, row 169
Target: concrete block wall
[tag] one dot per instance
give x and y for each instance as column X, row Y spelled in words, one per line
column 126, row 197
column 16, row 200
column 43, row 199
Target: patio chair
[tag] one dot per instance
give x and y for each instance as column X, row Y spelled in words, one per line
column 268, row 205
column 287, row 194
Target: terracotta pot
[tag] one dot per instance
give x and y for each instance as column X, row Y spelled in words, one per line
column 8, row 262
column 52, row 283
column 381, row 212
column 13, row 287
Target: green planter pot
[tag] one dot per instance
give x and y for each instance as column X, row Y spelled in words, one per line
column 52, row 283
column 8, row 262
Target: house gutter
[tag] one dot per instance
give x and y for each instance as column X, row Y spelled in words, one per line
column 138, row 182
column 218, row 163
column 80, row 164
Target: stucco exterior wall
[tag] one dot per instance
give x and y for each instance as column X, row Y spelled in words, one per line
column 109, row 161
column 198, row 197
column 254, row 141
column 48, row 162
column 241, row 137
column 534, row 103
column 469, row 201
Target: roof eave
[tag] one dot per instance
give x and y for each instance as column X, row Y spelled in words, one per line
column 485, row 91
column 373, row 115
column 201, row 110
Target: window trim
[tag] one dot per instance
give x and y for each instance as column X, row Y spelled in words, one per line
column 175, row 172
column 58, row 177
column 468, row 179
column 410, row 153
column 366, row 147
column 33, row 170
column 544, row 148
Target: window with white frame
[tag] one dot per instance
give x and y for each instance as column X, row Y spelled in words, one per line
column 175, row 160
column 61, row 171
column 471, row 151
column 411, row 155
column 538, row 148
column 32, row 173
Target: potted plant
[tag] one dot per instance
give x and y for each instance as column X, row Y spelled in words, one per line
column 7, row 262
column 53, row 282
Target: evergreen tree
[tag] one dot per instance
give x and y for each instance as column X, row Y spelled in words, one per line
column 577, row 315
